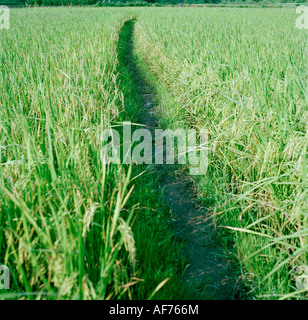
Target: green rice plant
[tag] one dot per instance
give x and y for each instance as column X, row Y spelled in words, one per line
column 241, row 74
column 71, row 226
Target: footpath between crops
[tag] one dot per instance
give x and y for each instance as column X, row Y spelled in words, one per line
column 209, row 273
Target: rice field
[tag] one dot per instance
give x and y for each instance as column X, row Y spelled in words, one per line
column 66, row 217
column 243, row 76
column 74, row 227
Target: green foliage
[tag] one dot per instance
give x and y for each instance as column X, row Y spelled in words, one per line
column 144, row 3
column 241, row 74
column 122, row 4
column 71, row 226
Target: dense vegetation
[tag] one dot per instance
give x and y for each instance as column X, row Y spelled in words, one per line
column 72, row 226
column 142, row 2
column 241, row 74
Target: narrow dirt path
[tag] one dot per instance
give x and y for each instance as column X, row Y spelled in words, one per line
column 209, row 273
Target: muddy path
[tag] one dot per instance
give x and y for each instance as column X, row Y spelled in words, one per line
column 209, row 273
